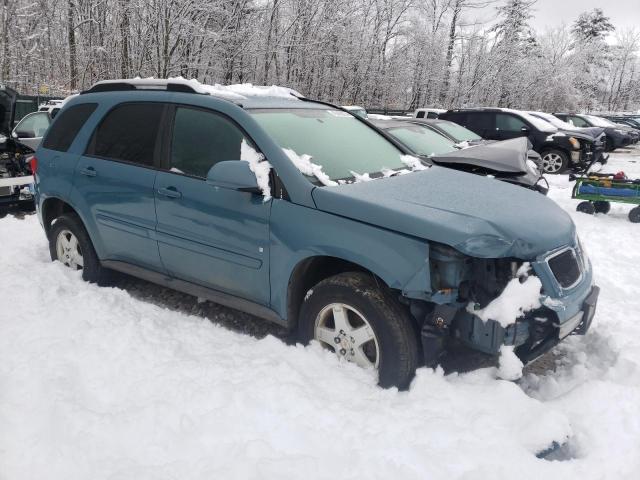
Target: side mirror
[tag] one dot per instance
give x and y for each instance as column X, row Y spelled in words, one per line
column 525, row 129
column 24, row 134
column 233, row 175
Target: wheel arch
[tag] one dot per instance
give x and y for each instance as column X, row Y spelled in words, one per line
column 312, row 270
column 52, row 208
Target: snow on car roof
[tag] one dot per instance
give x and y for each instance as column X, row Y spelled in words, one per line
column 241, row 91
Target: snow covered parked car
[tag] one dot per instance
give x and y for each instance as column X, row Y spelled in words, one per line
column 508, row 160
column 305, row 215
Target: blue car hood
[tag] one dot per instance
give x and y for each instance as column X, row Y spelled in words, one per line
column 479, row 216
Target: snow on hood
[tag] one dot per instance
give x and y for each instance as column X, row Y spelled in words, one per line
column 479, row 216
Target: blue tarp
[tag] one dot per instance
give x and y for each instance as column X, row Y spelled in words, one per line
column 586, row 189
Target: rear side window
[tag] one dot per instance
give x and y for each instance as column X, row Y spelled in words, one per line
column 458, row 117
column 432, row 115
column 64, row 129
column 201, row 139
column 420, row 115
column 128, row 133
column 480, row 122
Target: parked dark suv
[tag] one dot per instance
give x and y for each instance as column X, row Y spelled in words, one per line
column 303, row 214
column 559, row 150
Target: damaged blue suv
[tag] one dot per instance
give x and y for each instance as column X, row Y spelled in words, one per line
column 298, row 212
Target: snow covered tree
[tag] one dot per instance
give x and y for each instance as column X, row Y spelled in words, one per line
column 592, row 25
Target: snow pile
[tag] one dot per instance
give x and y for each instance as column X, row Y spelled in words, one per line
column 259, row 166
column 413, row 163
column 510, row 366
column 517, row 298
column 360, row 177
column 307, row 167
column 462, row 145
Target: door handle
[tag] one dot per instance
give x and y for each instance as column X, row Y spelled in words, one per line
column 170, row 192
column 88, row 172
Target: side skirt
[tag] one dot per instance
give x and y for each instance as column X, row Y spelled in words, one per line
column 215, row 296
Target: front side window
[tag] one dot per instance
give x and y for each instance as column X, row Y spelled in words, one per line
column 509, row 123
column 201, row 139
column 128, row 133
column 67, row 125
column 34, row 125
column 422, row 140
column 335, row 140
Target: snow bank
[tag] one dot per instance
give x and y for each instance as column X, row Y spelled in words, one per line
column 307, row 167
column 259, row 166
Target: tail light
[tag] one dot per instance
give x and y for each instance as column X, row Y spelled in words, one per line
column 33, row 165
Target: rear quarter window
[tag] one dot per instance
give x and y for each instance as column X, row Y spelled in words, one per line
column 67, row 125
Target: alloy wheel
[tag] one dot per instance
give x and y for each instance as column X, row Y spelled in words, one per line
column 348, row 333
column 552, row 163
column 68, row 250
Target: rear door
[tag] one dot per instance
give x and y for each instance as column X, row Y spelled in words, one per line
column 114, row 180
column 214, row 237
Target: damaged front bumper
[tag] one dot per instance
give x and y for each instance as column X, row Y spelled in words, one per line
column 565, row 310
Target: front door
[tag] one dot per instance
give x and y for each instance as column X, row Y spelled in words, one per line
column 214, row 237
column 509, row 126
column 114, row 180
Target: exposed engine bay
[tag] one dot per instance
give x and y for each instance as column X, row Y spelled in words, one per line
column 15, row 177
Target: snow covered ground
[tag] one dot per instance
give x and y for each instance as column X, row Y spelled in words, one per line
column 98, row 383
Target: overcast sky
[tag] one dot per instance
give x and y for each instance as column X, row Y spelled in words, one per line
column 624, row 14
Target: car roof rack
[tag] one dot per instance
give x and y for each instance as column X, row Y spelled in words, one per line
column 174, row 85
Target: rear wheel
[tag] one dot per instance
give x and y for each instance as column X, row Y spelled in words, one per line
column 586, row 207
column 601, row 206
column 359, row 320
column 634, row 215
column 554, row 161
column 70, row 244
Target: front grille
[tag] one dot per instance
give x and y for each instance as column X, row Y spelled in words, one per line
column 565, row 268
column 5, row 191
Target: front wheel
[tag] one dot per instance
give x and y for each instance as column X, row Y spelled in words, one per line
column 554, row 161
column 70, row 244
column 358, row 320
column 634, row 215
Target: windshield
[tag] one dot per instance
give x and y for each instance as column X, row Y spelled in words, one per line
column 458, row 132
column 555, row 121
column 599, row 121
column 422, row 140
column 335, row 140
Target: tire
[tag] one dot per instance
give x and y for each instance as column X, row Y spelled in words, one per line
column 554, row 161
column 586, row 207
column 353, row 303
column 78, row 246
column 634, row 215
column 601, row 206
